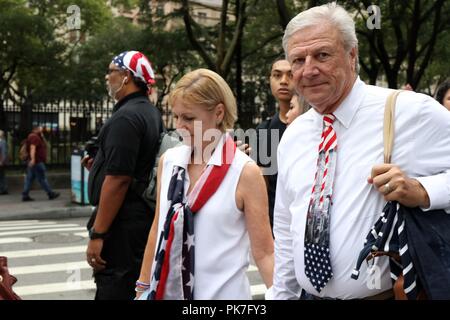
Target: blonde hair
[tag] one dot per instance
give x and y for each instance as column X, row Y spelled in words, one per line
column 206, row 88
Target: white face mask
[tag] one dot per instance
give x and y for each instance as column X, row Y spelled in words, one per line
column 112, row 92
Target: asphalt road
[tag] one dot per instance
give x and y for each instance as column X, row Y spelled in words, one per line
column 48, row 259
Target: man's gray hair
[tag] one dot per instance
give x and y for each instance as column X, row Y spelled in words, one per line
column 332, row 13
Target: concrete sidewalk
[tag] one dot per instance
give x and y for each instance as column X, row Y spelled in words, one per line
column 12, row 207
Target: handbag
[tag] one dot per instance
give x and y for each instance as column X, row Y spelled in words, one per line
column 6, row 282
column 427, row 237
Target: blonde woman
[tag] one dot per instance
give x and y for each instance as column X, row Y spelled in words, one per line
column 212, row 203
column 297, row 107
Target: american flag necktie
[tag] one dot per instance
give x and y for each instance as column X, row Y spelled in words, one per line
column 317, row 232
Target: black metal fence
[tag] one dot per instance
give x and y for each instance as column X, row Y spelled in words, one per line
column 67, row 125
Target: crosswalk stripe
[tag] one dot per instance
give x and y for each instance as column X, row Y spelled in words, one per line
column 82, row 234
column 14, row 222
column 54, row 287
column 10, row 229
column 15, row 240
column 44, row 252
column 45, row 268
column 38, row 227
column 23, row 291
column 87, row 285
column 60, row 287
column 66, row 266
column 10, row 233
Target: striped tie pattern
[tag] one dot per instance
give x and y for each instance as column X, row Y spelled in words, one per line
column 317, row 233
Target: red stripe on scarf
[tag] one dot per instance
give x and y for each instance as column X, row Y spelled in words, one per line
column 217, row 175
column 165, row 267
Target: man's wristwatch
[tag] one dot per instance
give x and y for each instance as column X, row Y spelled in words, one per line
column 95, row 235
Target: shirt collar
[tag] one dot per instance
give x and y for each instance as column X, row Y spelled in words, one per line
column 184, row 156
column 348, row 108
column 186, row 151
column 127, row 98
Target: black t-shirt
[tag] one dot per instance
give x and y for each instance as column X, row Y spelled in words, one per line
column 128, row 143
column 269, row 134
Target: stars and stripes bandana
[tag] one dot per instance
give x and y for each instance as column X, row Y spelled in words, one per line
column 138, row 64
column 173, row 277
column 317, row 232
column 388, row 237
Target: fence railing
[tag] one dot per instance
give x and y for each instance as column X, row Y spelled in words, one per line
column 67, row 125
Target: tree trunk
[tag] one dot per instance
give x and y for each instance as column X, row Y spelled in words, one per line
column 238, row 57
column 26, row 117
column 283, row 13
column 2, row 115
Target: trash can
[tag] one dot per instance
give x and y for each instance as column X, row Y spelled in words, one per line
column 79, row 178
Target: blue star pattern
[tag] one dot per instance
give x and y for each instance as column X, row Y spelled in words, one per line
column 118, row 60
column 175, row 196
column 317, row 265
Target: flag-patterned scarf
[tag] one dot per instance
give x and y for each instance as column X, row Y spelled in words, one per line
column 173, row 277
column 389, row 237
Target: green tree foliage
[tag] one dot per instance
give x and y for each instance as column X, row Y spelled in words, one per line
column 36, row 46
column 241, row 47
column 41, row 56
column 35, row 50
column 409, row 38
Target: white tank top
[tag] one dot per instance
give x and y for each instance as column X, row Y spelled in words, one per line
column 221, row 239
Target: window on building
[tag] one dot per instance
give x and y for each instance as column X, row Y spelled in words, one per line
column 160, row 10
column 202, row 16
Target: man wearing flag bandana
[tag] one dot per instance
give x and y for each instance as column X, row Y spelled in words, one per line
column 119, row 172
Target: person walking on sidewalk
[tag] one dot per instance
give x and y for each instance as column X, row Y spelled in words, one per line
column 119, row 174
column 3, row 163
column 37, row 150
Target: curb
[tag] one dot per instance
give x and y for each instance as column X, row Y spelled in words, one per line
column 53, row 213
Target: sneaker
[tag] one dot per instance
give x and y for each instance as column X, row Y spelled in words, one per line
column 53, row 195
column 27, row 198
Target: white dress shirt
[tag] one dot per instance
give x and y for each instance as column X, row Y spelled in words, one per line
column 421, row 149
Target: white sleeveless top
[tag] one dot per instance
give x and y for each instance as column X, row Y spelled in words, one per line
column 221, row 240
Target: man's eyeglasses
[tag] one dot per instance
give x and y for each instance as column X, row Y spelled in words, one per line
column 109, row 71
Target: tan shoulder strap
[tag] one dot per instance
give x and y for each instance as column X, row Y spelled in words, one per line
column 388, row 128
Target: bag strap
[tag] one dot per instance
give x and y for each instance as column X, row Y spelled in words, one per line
column 388, row 128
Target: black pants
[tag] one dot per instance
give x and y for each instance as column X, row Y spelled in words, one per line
column 123, row 251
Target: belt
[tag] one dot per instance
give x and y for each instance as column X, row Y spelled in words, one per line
column 385, row 295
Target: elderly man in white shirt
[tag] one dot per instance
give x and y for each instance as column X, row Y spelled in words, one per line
column 322, row 47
